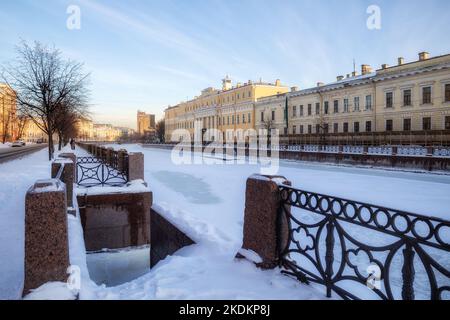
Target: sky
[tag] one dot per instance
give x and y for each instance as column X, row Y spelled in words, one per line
column 147, row 55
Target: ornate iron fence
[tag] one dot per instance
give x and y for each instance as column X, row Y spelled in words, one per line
column 92, row 171
column 325, row 241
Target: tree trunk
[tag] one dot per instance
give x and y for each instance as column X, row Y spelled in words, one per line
column 50, row 146
column 59, row 141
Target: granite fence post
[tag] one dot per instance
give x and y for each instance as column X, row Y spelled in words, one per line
column 261, row 229
column 136, row 166
column 46, row 235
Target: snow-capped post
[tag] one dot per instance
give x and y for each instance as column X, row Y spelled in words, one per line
column 135, row 166
column 67, row 176
column 46, row 236
column 73, row 157
column 262, row 231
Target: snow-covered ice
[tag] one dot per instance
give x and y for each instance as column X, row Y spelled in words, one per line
column 207, row 202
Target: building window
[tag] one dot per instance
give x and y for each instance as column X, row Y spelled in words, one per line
column 406, row 124
column 232, row 119
column 426, row 123
column 447, row 92
column 345, row 128
column 368, row 102
column 326, row 107
column 237, row 119
column 301, row 129
column 294, row 130
column 243, row 118
column 356, row 102
column 389, row 125
column 309, row 109
column 389, row 100
column 426, row 95
column 407, row 97
column 447, row 123
column 262, row 116
column 317, row 108
column 220, row 122
column 336, row 106
column 325, row 128
column 368, row 126
column 249, row 117
column 294, row 111
column 301, row 111
column 346, row 105
column 273, row 115
column 336, row 128
column 356, row 127
column 285, row 131
column 317, row 128
column 309, row 128
column 228, row 120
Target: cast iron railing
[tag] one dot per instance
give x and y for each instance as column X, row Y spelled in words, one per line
column 325, row 240
column 92, row 171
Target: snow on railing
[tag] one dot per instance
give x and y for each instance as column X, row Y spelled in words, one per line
column 412, row 151
column 380, row 150
column 353, row 149
column 441, row 152
column 311, row 148
column 331, row 149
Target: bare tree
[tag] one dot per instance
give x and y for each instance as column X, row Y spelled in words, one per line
column 45, row 83
column 22, row 121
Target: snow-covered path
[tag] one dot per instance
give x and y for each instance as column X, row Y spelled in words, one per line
column 15, row 179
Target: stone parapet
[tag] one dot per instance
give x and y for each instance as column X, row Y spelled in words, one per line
column 115, row 220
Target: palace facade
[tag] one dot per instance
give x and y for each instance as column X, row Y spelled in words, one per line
column 406, row 97
column 232, row 107
column 403, row 98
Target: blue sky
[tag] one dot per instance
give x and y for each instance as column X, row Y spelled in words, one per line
column 150, row 54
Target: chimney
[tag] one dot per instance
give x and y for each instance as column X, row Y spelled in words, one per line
column 277, row 82
column 354, row 74
column 424, row 56
column 294, row 89
column 319, row 84
column 365, row 69
column 340, row 78
column 384, row 66
column 401, row 61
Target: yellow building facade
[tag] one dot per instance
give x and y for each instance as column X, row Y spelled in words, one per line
column 8, row 110
column 231, row 108
column 407, row 97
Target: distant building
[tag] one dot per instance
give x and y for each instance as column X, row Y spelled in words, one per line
column 106, row 132
column 146, row 124
column 85, row 128
column 7, row 113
